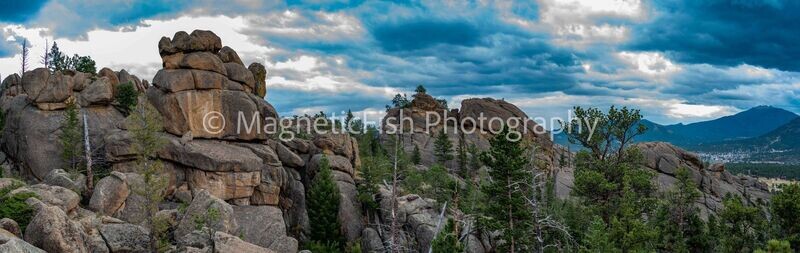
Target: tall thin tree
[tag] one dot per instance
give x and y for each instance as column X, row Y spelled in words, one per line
column 24, row 58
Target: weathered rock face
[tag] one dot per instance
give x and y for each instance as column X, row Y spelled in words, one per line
column 198, row 211
column 125, row 237
column 714, row 182
column 194, row 85
column 34, row 103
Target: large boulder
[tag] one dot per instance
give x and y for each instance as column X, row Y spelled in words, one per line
column 51, row 230
column 134, row 210
column 228, row 55
column 98, row 92
column 264, row 226
column 220, row 114
column 239, row 73
column 199, row 40
column 16, row 245
column 224, row 242
column 260, row 75
column 45, row 87
column 202, row 61
column 53, row 195
column 198, row 210
column 126, row 238
column 64, row 179
column 110, row 194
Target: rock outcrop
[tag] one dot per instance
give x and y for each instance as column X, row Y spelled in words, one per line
column 33, row 105
column 713, row 181
column 475, row 123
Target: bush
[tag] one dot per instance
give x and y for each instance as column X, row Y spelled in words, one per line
column 14, row 206
column 127, row 97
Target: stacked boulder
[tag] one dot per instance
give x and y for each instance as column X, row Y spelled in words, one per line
column 34, row 103
column 256, row 181
column 464, row 125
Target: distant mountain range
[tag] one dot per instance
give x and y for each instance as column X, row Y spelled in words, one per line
column 763, row 133
column 754, row 122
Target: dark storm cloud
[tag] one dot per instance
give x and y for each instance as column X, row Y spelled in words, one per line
column 720, row 32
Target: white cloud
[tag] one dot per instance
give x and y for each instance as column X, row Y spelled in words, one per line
column 653, row 63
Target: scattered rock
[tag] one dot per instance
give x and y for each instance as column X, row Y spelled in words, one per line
column 16, row 245
column 59, row 177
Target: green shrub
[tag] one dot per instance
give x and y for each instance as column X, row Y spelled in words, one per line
column 14, row 206
column 127, row 96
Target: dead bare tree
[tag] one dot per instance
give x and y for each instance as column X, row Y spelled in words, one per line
column 46, row 56
column 394, row 247
column 24, row 59
column 88, row 153
column 542, row 221
column 438, row 226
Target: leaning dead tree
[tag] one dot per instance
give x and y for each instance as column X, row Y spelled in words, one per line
column 542, row 220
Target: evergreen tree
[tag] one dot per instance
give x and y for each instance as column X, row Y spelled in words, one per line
column 597, row 238
column 126, row 97
column 776, row 246
column 56, row 60
column 71, row 138
column 447, row 240
column 508, row 209
column 786, row 212
column 442, row 148
column 416, row 157
column 144, row 124
column 743, row 228
column 681, row 229
column 420, row 89
column 323, row 208
column 83, row 64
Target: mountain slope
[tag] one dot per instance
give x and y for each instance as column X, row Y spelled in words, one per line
column 754, row 122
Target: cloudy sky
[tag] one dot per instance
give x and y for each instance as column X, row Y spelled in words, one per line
column 678, row 61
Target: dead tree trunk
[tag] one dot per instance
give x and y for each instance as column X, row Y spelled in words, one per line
column 88, row 153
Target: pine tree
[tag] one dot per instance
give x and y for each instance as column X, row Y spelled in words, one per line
column 126, row 97
column 323, row 208
column 776, row 246
column 416, row 157
column 420, row 89
column 447, row 240
column 785, row 208
column 681, row 229
column 743, row 228
column 597, row 238
column 56, row 60
column 508, row 209
column 71, row 138
column 144, row 124
column 443, row 148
